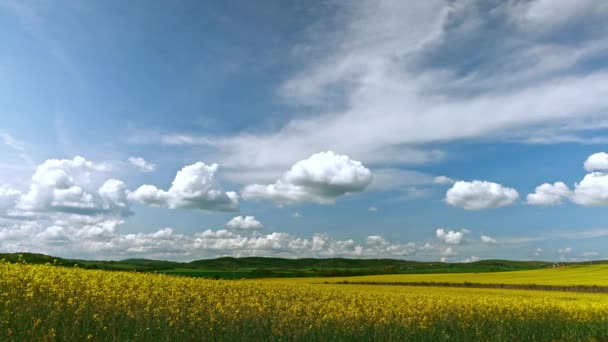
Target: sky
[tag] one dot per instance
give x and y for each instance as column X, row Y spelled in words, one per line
column 428, row 130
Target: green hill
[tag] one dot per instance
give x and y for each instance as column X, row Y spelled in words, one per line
column 256, row 267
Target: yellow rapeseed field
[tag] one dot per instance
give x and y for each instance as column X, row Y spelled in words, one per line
column 566, row 275
column 49, row 303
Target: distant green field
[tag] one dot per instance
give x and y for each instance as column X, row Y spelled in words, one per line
column 567, row 275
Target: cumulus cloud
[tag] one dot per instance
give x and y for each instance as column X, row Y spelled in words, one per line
column 297, row 215
column 321, row 178
column 194, row 186
column 372, row 209
column 597, row 162
column 566, row 250
column 443, row 180
column 451, row 237
column 114, row 196
column 487, row 239
column 549, row 194
column 592, row 191
column 97, row 238
column 477, row 195
column 141, row 164
column 538, row 251
column 245, row 223
column 70, row 186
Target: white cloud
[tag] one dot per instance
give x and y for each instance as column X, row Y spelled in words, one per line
column 487, row 239
column 297, row 215
column 321, row 178
column 245, row 223
column 444, row 180
column 597, row 162
column 592, row 191
column 101, row 239
column 141, row 164
column 448, row 252
column 114, row 195
column 378, row 245
column 70, row 186
column 566, row 250
column 451, row 237
column 194, row 186
column 386, row 67
column 372, row 209
column 546, row 15
column 472, row 258
column 538, row 252
column 592, row 254
column 549, row 194
column 479, row 195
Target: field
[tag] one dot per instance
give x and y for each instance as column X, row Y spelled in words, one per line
column 261, row 267
column 587, row 275
column 44, row 302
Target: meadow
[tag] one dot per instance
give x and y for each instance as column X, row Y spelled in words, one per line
column 50, row 303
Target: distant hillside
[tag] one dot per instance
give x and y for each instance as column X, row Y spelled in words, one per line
column 256, row 267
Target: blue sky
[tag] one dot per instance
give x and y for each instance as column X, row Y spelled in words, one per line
column 453, row 130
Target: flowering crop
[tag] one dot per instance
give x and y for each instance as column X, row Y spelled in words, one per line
column 51, row 303
column 560, row 276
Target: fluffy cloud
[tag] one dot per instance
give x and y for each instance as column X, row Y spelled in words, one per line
column 245, row 223
column 70, row 186
column 319, row 179
column 479, row 195
column 566, row 250
column 372, row 209
column 102, row 239
column 141, row 164
column 114, row 196
column 487, row 239
column 194, row 186
column 549, row 194
column 597, row 162
column 451, row 237
column 592, row 191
